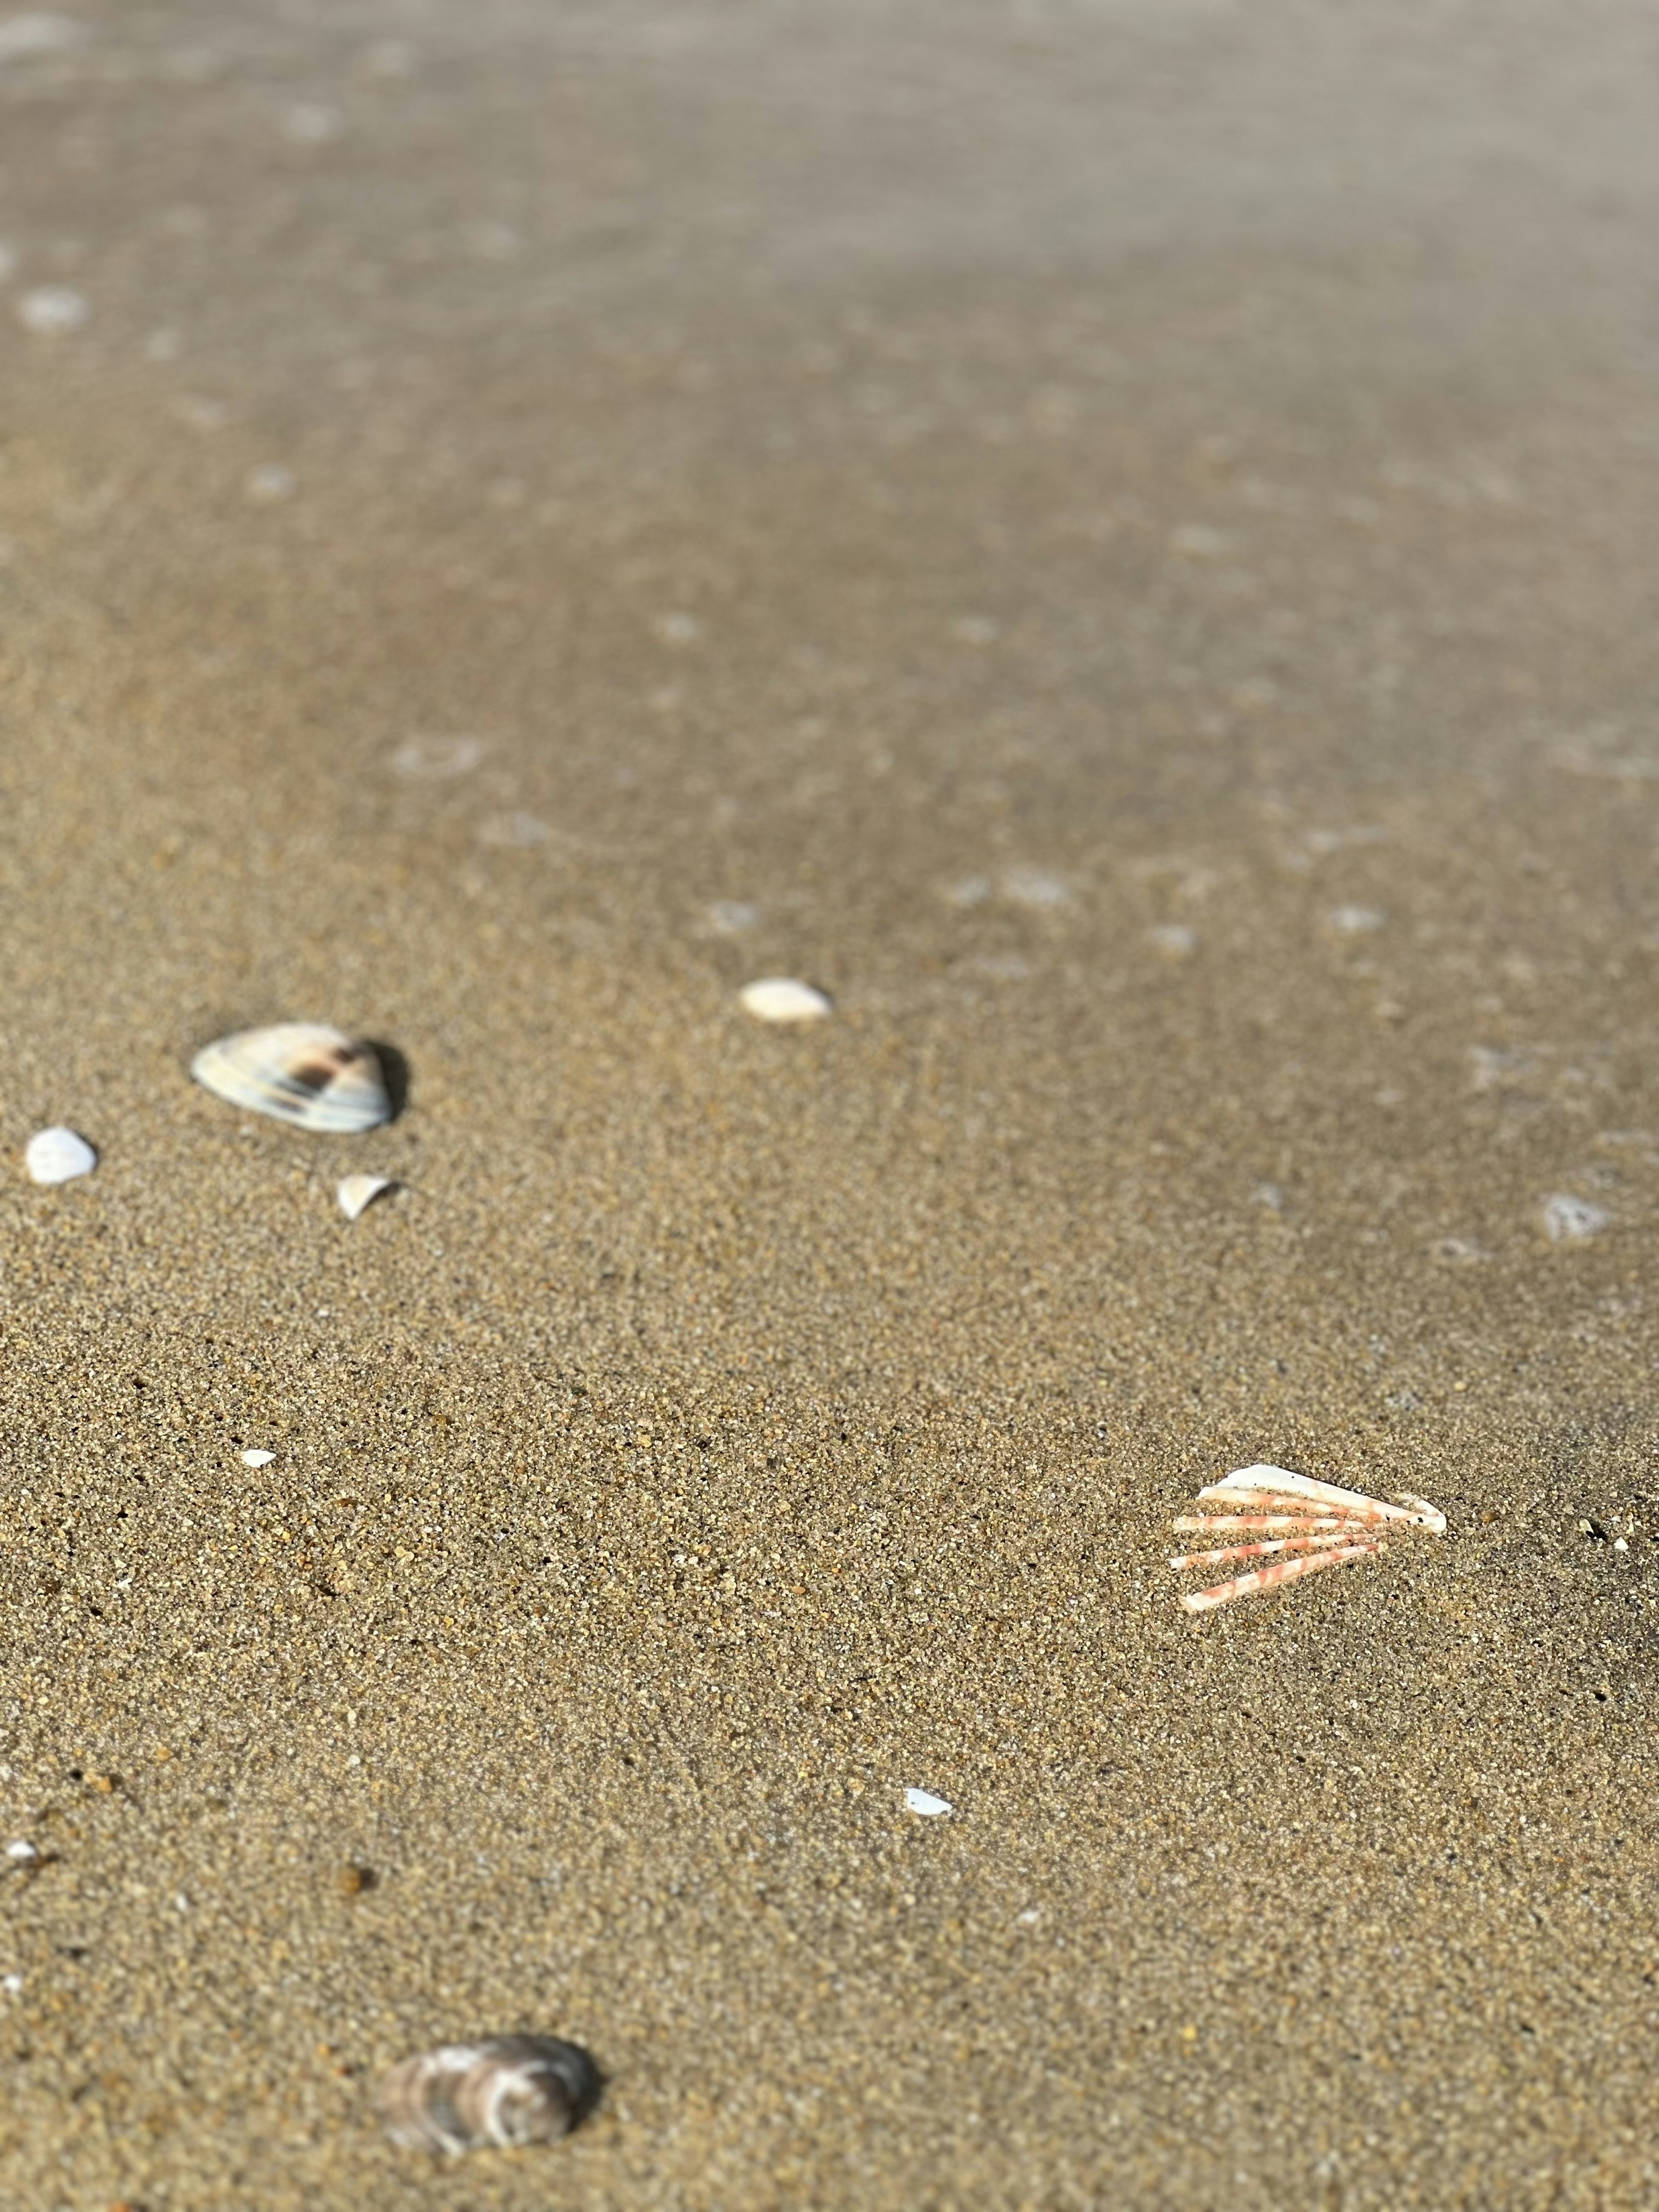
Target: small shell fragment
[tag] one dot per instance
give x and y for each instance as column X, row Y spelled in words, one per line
column 303, row 1072
column 354, row 1191
column 58, row 1156
column 1571, row 1220
column 925, row 1802
column 783, row 998
column 22, row 1853
column 504, row 2090
column 255, row 1457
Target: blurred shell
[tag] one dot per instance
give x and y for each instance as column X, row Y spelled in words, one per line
column 300, row 1072
column 356, row 1192
column 505, row 2090
column 783, row 998
column 58, row 1156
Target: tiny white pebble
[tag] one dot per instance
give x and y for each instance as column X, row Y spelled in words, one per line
column 58, row 1156
column 254, row 1457
column 181, row 1903
column 354, row 1191
column 270, row 481
column 12, row 1984
column 1029, row 1919
column 1198, row 541
column 925, row 1802
column 309, row 124
column 1173, row 939
column 783, row 998
column 1619, row 1544
column 1034, row 887
column 515, row 829
column 22, row 1853
column 1570, row 1220
column 1356, row 920
column 972, row 891
column 39, row 33
column 733, row 916
column 53, row 311
column 678, row 629
column 434, row 760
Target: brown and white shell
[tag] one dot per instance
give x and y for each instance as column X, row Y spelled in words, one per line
column 505, row 2090
column 303, row 1072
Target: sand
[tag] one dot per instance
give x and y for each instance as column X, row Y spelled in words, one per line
column 1115, row 541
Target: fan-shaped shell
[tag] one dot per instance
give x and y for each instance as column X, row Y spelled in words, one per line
column 304, row 1073
column 504, row 2090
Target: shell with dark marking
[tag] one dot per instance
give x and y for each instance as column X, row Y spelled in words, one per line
column 303, row 1072
column 504, row 2090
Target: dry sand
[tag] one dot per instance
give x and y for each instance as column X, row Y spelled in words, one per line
column 1125, row 535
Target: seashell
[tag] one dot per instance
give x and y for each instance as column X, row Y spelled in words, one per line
column 57, row 1156
column 924, row 1802
column 505, row 2090
column 1308, row 1526
column 300, row 1072
column 1571, row 1220
column 782, row 999
column 356, row 1192
column 254, row 1456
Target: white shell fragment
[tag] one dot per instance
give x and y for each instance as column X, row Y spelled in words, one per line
column 22, row 1853
column 356, row 1191
column 304, row 1073
column 57, row 1156
column 503, row 2091
column 254, row 1457
column 782, row 999
column 925, row 1802
column 1571, row 1220
column 53, row 311
column 1301, row 1525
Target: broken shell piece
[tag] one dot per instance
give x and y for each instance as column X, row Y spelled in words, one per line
column 356, row 1192
column 782, row 999
column 1318, row 1524
column 506, row 2090
column 255, row 1457
column 304, row 1073
column 925, row 1802
column 58, row 1156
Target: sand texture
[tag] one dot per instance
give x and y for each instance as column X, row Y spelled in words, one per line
column 1116, row 541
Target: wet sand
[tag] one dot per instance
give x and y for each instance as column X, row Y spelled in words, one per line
column 1119, row 542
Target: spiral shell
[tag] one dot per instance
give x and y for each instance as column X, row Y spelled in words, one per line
column 304, row 1073
column 505, row 2091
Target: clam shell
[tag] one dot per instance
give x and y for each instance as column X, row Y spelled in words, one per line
column 783, row 998
column 504, row 2090
column 303, row 1072
column 57, row 1156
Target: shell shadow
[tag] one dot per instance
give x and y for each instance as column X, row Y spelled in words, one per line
column 395, row 1068
column 589, row 2089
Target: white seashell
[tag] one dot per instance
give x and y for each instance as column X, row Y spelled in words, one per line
column 53, row 311
column 925, row 1802
column 300, row 1072
column 254, row 1457
column 22, row 1853
column 782, row 999
column 1570, row 1220
column 505, row 2090
column 357, row 1191
column 57, row 1156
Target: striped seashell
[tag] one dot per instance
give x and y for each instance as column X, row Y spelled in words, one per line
column 503, row 2091
column 304, row 1073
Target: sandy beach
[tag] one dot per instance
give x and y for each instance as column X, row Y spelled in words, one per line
column 1116, row 541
